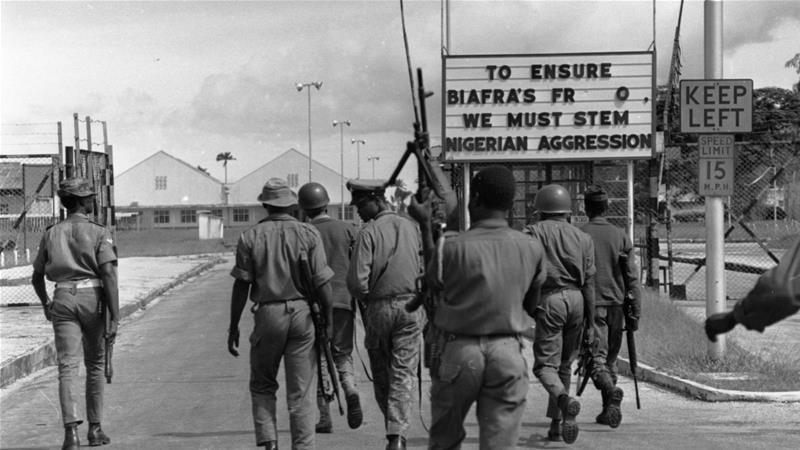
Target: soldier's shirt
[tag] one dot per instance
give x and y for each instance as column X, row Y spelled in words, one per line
column 776, row 294
column 338, row 238
column 570, row 254
column 74, row 249
column 386, row 259
column 268, row 255
column 485, row 276
column 610, row 242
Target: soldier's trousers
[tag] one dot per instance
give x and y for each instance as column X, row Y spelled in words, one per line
column 559, row 328
column 342, row 348
column 77, row 324
column 608, row 326
column 393, row 339
column 284, row 330
column 489, row 370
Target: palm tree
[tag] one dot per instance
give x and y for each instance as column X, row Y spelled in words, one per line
column 225, row 157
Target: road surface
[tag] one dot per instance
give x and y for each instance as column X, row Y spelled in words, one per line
column 176, row 387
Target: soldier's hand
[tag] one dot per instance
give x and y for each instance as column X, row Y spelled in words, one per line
column 718, row 324
column 48, row 310
column 233, row 341
column 111, row 334
column 632, row 323
column 421, row 212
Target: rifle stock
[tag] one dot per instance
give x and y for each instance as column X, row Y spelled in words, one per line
column 585, row 363
column 109, row 348
column 323, row 340
column 629, row 336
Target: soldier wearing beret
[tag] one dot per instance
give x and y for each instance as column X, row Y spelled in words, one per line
column 267, row 270
column 383, row 274
column 79, row 256
column 567, row 307
column 490, row 278
column 616, row 288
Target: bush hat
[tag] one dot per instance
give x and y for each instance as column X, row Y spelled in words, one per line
column 365, row 188
column 75, row 187
column 276, row 192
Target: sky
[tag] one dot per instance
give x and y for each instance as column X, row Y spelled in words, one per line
column 195, row 79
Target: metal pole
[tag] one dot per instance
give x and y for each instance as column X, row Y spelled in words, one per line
column 715, row 249
column 76, row 150
column 341, row 171
column 309, row 134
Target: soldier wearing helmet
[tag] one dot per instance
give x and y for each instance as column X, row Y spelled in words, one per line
column 567, row 303
column 337, row 238
column 615, row 284
column 79, row 256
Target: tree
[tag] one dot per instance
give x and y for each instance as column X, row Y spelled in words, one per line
column 795, row 62
column 225, row 157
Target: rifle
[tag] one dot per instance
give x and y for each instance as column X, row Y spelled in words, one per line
column 628, row 306
column 585, row 362
column 430, row 177
column 323, row 341
column 109, row 341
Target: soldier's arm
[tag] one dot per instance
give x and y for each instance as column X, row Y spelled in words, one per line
column 631, row 279
column 37, row 280
column 360, row 265
column 239, row 294
column 588, row 284
column 108, row 274
column 533, row 296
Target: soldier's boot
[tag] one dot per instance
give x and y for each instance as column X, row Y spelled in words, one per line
column 614, row 410
column 570, row 408
column 396, row 442
column 354, row 414
column 554, row 433
column 324, row 425
column 269, row 445
column 96, row 436
column 601, row 418
column 71, row 440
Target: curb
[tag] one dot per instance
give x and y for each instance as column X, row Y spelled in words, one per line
column 45, row 354
column 700, row 391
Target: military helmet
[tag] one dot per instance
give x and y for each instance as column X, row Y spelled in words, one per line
column 312, row 196
column 553, row 199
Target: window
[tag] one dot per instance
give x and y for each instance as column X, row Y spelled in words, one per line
column 241, row 215
column 161, row 216
column 217, row 212
column 293, row 180
column 161, row 183
column 4, row 209
column 188, row 216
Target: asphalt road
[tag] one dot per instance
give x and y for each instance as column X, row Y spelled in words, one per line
column 176, row 387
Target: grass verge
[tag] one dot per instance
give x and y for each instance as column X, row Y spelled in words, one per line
column 673, row 342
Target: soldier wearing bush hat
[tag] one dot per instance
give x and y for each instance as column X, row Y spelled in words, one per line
column 616, row 288
column 567, row 304
column 79, row 256
column 383, row 275
column 267, row 260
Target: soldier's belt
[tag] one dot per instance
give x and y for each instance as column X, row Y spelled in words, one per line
column 398, row 297
column 80, row 284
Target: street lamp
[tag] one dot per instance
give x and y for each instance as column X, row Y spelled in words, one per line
column 358, row 154
column 373, row 159
column 300, row 86
column 341, row 124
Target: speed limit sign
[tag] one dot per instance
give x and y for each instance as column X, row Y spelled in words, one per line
column 716, row 164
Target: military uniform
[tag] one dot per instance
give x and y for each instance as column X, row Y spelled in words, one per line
column 487, row 276
column 267, row 259
column 383, row 275
column 338, row 238
column 560, row 314
column 71, row 254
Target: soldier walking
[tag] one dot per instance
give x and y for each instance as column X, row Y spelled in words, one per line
column 616, row 289
column 383, row 275
column 337, row 238
column 489, row 278
column 567, row 306
column 79, row 256
column 268, row 270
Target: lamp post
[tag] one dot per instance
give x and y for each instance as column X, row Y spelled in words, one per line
column 300, row 86
column 373, row 159
column 358, row 143
column 341, row 124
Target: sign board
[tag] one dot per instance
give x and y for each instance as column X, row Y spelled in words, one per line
column 716, row 164
column 584, row 106
column 716, row 106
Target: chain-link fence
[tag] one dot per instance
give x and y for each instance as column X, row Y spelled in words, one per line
column 761, row 217
column 28, row 206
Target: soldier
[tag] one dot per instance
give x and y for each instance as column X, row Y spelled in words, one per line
column 616, row 287
column 383, row 275
column 337, row 238
column 79, row 256
column 775, row 296
column 268, row 269
column 567, row 306
column 490, row 279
